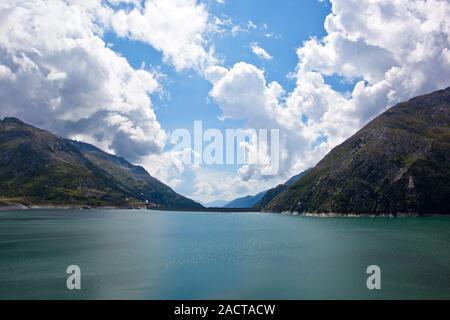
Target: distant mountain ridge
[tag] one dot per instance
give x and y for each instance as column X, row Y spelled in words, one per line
column 263, row 197
column 398, row 163
column 40, row 168
column 245, row 202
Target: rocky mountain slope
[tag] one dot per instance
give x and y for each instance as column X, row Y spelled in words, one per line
column 270, row 194
column 398, row 163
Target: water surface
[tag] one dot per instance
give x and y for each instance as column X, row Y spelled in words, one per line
column 127, row 254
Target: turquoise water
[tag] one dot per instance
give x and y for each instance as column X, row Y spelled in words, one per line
column 174, row 255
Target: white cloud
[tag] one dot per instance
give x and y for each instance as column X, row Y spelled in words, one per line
column 57, row 73
column 250, row 26
column 207, row 187
column 242, row 92
column 177, row 28
column 397, row 49
column 260, row 52
column 236, row 29
column 393, row 50
column 170, row 168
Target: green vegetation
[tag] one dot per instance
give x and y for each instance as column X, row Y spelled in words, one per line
column 40, row 168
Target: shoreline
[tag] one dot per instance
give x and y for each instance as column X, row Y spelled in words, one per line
column 361, row 215
column 22, row 207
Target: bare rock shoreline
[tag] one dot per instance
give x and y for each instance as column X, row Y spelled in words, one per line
column 360, row 215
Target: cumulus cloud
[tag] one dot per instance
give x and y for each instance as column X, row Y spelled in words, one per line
column 170, row 168
column 229, row 187
column 177, row 28
column 260, row 52
column 243, row 93
column 57, row 73
column 391, row 51
column 194, row 180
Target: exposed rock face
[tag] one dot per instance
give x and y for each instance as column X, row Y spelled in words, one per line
column 398, row 163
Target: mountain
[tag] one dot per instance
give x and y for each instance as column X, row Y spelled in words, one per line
column 398, row 163
column 245, row 202
column 272, row 193
column 262, row 197
column 40, row 168
column 295, row 178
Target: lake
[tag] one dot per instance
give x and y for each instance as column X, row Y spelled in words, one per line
column 132, row 254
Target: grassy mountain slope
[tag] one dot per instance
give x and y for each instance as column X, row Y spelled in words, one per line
column 38, row 167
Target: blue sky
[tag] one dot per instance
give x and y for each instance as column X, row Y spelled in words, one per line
column 185, row 98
